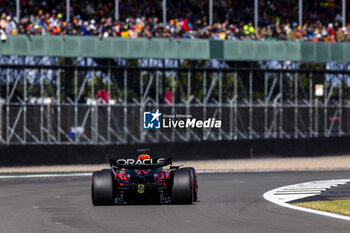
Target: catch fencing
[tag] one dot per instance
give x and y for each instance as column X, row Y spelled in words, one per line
column 57, row 104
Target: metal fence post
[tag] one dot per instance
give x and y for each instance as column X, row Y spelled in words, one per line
column 340, row 131
column 125, row 107
column 266, row 104
column 7, row 105
column 310, row 106
column 173, row 104
column 48, row 122
column 235, row 128
column 157, row 99
column 141, row 106
column 296, row 106
column 24, row 104
column 58, row 102
column 93, row 108
column 220, row 105
column 250, row 105
column 1, row 123
column 204, row 101
column 325, row 110
column 281, row 107
column 75, row 104
column 41, row 107
column 109, row 104
column 188, row 102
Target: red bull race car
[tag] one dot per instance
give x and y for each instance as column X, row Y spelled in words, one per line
column 144, row 180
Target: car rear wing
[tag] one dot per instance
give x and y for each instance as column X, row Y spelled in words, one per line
column 141, row 164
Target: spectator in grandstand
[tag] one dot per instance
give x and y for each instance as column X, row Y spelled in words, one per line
column 187, row 20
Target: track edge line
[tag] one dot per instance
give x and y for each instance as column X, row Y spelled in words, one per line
column 269, row 197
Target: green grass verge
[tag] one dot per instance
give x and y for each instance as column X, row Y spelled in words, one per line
column 337, row 206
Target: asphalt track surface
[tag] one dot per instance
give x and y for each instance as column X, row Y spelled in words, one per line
column 229, row 202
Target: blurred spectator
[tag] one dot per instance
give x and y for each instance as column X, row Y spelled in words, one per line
column 186, row 19
column 102, row 97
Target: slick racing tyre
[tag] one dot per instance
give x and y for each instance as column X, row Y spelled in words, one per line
column 194, row 181
column 102, row 187
column 182, row 187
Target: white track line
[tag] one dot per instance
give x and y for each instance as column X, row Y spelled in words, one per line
column 282, row 195
column 19, row 176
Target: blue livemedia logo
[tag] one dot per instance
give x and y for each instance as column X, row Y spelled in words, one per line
column 151, row 120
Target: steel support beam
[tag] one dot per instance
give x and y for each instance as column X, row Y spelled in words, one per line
column 256, row 14
column 210, row 12
column 67, row 10
column 18, row 9
column 344, row 13
column 116, row 10
column 164, row 12
column 300, row 13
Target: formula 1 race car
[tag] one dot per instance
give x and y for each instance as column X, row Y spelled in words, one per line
column 144, row 180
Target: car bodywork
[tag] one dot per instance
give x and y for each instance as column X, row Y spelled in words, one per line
column 131, row 181
column 142, row 181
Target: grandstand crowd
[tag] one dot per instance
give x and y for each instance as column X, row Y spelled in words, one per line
column 186, row 19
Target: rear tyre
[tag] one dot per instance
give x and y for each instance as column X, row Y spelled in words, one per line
column 194, row 181
column 182, row 188
column 102, row 187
